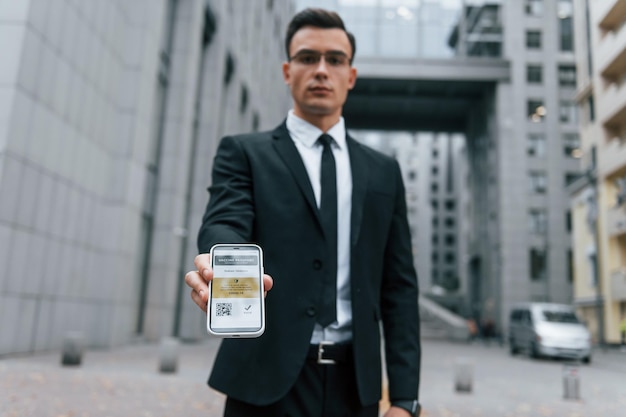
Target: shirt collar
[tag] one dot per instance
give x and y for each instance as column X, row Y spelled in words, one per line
column 307, row 134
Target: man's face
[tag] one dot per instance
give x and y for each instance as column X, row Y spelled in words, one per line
column 319, row 73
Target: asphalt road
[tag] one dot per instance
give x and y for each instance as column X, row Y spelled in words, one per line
column 125, row 382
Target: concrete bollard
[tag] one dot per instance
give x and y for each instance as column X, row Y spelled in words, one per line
column 168, row 355
column 463, row 375
column 72, row 352
column 571, row 383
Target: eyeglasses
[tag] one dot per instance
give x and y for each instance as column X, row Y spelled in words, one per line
column 309, row 58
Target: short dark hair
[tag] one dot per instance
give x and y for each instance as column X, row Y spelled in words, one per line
column 319, row 18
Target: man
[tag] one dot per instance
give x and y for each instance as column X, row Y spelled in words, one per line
column 316, row 359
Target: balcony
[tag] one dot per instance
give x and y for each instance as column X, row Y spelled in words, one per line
column 612, row 109
column 611, row 55
column 618, row 285
column 611, row 13
column 612, row 156
column 607, row 101
column 616, row 221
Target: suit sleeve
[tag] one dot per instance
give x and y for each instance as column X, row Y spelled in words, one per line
column 229, row 216
column 399, row 304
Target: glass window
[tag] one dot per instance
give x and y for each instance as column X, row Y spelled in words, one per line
column 533, row 39
column 536, row 110
column 534, row 74
column 620, row 185
column 378, row 24
column 567, row 35
column 567, row 75
column 570, row 265
column 565, row 8
column 570, row 177
column 567, row 111
column 566, row 26
column 534, row 7
column 571, row 145
column 592, row 259
column 537, row 258
column 591, row 109
column 537, row 182
column 537, row 221
column 557, row 316
column 536, row 144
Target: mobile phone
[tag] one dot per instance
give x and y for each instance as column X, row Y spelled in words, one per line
column 236, row 301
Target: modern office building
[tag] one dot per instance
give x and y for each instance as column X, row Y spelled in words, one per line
column 408, row 151
column 110, row 113
column 502, row 74
column 537, row 149
column 599, row 196
column 435, row 173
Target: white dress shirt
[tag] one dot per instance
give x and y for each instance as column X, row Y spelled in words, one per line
column 305, row 137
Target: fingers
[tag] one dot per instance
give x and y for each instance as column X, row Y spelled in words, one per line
column 203, row 265
column 199, row 289
column 268, row 283
column 199, row 282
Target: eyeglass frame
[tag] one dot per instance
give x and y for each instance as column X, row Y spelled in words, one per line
column 317, row 55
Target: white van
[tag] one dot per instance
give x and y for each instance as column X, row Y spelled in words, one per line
column 546, row 329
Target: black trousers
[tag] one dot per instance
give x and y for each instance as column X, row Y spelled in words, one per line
column 319, row 391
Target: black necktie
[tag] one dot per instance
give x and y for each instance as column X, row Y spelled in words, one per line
column 328, row 215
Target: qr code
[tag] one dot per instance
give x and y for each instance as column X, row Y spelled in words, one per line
column 223, row 309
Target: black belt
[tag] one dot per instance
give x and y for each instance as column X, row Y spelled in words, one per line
column 330, row 353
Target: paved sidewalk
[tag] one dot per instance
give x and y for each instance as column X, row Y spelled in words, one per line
column 125, row 382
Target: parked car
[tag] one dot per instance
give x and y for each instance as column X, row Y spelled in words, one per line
column 547, row 329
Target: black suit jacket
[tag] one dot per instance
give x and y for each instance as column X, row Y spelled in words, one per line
column 261, row 193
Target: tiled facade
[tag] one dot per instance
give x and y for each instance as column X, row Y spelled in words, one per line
column 110, row 112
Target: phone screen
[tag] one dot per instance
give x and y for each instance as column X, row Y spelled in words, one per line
column 236, row 296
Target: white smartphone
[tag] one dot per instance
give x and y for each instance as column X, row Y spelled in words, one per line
column 236, row 301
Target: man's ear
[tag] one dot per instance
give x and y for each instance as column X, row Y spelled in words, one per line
column 286, row 75
column 352, row 79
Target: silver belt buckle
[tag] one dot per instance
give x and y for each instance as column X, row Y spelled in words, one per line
column 320, row 353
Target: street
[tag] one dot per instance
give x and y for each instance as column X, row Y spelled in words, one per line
column 125, row 382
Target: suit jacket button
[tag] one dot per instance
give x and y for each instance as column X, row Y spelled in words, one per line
column 310, row 311
column 317, row 264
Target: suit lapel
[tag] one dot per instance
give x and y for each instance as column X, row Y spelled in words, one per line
column 287, row 151
column 291, row 157
column 360, row 175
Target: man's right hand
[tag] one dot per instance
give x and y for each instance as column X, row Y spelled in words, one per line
column 198, row 280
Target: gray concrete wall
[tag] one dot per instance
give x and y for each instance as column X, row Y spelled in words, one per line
column 80, row 117
column 515, row 164
column 79, row 100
